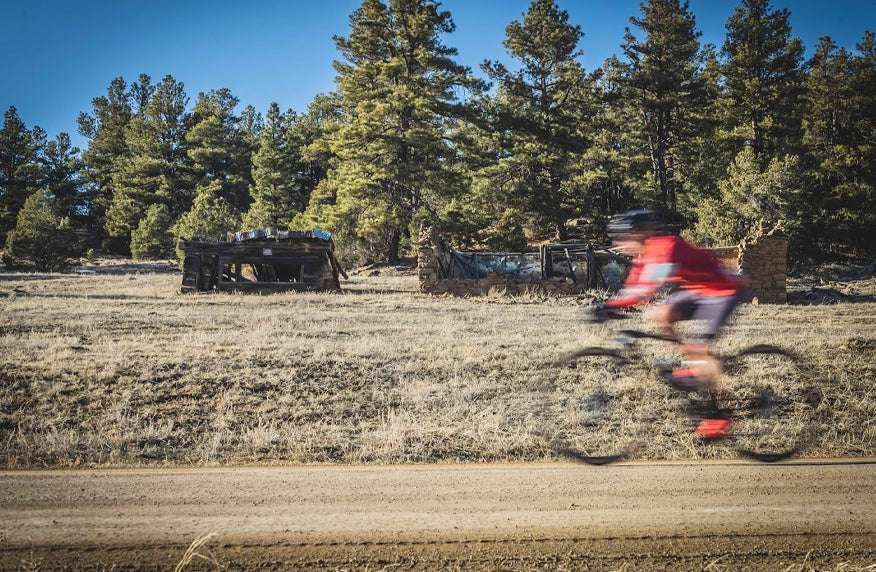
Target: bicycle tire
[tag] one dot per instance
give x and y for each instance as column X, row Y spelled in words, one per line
column 597, row 426
column 767, row 388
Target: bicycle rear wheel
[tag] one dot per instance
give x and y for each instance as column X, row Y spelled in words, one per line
column 768, row 391
column 601, row 402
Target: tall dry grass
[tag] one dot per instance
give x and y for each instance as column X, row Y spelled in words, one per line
column 116, row 368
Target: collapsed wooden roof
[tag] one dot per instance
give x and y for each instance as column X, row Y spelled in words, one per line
column 262, row 259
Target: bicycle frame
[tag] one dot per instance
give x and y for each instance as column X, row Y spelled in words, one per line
column 759, row 413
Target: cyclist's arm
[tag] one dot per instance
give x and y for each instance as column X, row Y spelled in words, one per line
column 642, row 283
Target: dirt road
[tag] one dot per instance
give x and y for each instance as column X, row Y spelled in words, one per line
column 721, row 516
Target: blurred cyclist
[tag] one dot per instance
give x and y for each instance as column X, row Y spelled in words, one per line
column 708, row 296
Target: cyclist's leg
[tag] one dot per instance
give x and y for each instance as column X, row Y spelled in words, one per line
column 703, row 370
column 679, row 307
column 709, row 316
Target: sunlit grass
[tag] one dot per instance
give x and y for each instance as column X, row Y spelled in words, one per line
column 119, row 369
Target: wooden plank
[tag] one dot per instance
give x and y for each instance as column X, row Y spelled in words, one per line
column 591, row 268
column 337, row 266
column 571, row 267
column 266, row 286
column 191, row 273
column 615, row 257
column 335, row 276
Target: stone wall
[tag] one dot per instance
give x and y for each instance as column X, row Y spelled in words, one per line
column 763, row 260
column 728, row 257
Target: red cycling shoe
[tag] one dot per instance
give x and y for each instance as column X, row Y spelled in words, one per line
column 683, row 379
column 713, row 428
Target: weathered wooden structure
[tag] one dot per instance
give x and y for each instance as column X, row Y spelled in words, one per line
column 263, row 260
column 565, row 259
column 557, row 269
column 572, row 268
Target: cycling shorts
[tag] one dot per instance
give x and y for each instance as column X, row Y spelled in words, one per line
column 708, row 313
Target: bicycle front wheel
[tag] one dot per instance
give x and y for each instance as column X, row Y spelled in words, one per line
column 601, row 399
column 768, row 401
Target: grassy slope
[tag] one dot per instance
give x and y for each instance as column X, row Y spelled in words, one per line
column 118, row 369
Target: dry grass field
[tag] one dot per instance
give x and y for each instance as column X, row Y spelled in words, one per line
column 115, row 368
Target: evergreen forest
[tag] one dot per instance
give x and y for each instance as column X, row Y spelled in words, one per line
column 726, row 141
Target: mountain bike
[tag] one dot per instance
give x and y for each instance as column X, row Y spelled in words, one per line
column 624, row 406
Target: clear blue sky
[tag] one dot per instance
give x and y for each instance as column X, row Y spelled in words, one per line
column 57, row 55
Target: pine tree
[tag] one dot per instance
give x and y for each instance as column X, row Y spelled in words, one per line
column 156, row 171
column 276, row 196
column 863, row 199
column 839, row 126
column 616, row 158
column 710, row 150
column 750, row 198
column 41, row 238
column 105, row 130
column 141, row 95
column 305, row 137
column 544, row 108
column 217, row 147
column 762, row 70
column 397, row 86
column 667, row 92
column 210, row 218
column 483, row 215
column 61, row 166
column 153, row 238
column 19, row 152
column 250, row 126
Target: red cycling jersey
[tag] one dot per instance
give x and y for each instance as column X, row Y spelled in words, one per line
column 671, row 259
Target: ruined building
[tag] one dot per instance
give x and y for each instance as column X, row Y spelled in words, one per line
column 263, row 260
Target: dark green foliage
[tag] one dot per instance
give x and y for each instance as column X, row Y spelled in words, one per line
column 666, row 90
column 210, row 218
column 60, row 167
column 153, row 238
column 42, row 239
column 397, row 99
column 543, row 111
column 19, row 170
column 219, row 147
column 277, row 194
column 612, row 163
column 105, row 128
column 839, row 130
column 505, row 233
column 750, row 199
column 156, row 170
column 763, row 75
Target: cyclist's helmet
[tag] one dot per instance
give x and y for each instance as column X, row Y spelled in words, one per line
column 631, row 221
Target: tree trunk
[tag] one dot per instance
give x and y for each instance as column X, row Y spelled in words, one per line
column 756, row 138
column 560, row 227
column 393, row 244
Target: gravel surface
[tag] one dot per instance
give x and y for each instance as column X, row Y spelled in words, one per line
column 813, row 515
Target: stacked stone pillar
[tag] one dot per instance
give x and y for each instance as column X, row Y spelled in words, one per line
column 764, row 260
column 429, row 259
